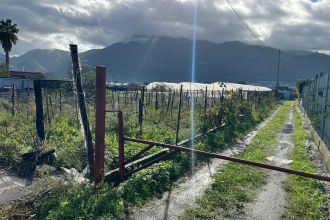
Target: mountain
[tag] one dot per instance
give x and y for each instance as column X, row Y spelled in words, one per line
column 56, row 62
column 148, row 59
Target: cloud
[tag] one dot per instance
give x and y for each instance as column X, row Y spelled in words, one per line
column 288, row 24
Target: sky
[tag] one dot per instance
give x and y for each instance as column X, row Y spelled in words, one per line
column 285, row 24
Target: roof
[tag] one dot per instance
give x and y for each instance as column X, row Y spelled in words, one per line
column 29, row 75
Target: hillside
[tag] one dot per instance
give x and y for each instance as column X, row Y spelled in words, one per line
column 169, row 59
column 56, row 62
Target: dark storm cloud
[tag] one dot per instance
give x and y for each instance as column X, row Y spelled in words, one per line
column 98, row 23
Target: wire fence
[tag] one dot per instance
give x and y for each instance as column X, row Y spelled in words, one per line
column 315, row 101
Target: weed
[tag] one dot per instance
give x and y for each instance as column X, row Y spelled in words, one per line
column 307, row 198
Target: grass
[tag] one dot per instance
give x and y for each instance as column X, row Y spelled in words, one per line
column 307, row 198
column 237, row 184
column 104, row 202
column 69, row 200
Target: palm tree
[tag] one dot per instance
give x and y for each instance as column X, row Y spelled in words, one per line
column 8, row 37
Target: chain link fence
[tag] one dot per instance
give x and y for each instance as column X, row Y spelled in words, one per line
column 315, row 101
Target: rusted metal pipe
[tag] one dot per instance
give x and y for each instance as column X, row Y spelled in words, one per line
column 247, row 162
column 100, row 122
column 137, row 155
column 121, row 143
column 146, row 165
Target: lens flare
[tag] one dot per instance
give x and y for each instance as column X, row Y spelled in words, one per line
column 192, row 93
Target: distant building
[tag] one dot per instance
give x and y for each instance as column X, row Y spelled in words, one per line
column 117, row 86
column 20, row 80
column 286, row 93
column 19, row 83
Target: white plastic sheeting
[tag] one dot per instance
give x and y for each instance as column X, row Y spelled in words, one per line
column 161, row 86
column 189, row 86
column 216, row 87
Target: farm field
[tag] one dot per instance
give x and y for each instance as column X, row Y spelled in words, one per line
column 160, row 114
column 231, row 190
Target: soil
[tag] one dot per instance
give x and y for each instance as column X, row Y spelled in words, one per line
column 183, row 195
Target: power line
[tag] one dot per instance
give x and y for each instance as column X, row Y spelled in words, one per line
column 245, row 24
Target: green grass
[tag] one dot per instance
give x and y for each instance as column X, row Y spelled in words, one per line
column 76, row 201
column 307, row 198
column 70, row 200
column 237, row 184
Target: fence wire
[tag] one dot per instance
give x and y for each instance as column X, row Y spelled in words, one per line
column 315, row 101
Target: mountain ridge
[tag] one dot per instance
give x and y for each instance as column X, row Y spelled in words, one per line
column 146, row 59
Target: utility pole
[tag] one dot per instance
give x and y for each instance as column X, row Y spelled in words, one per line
column 278, row 73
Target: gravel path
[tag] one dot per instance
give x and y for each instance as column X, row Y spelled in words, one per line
column 271, row 201
column 174, row 202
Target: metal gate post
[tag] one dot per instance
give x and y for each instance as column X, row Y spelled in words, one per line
column 121, row 144
column 100, row 122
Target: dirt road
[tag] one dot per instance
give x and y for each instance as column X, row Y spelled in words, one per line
column 182, row 196
column 271, row 201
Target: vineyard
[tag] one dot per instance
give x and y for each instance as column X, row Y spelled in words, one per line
column 156, row 115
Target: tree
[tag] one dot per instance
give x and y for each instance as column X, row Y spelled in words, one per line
column 300, row 85
column 8, row 37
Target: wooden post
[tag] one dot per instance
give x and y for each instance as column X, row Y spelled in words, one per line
column 76, row 110
column 18, row 98
column 168, row 102
column 172, row 102
column 179, row 118
column 27, row 103
column 47, row 108
column 156, row 101
column 13, row 99
column 141, row 105
column 118, row 99
column 60, row 103
column 113, row 98
column 162, row 98
column 39, row 110
column 83, row 109
column 309, row 97
column 205, row 101
column 131, row 96
column 51, row 106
